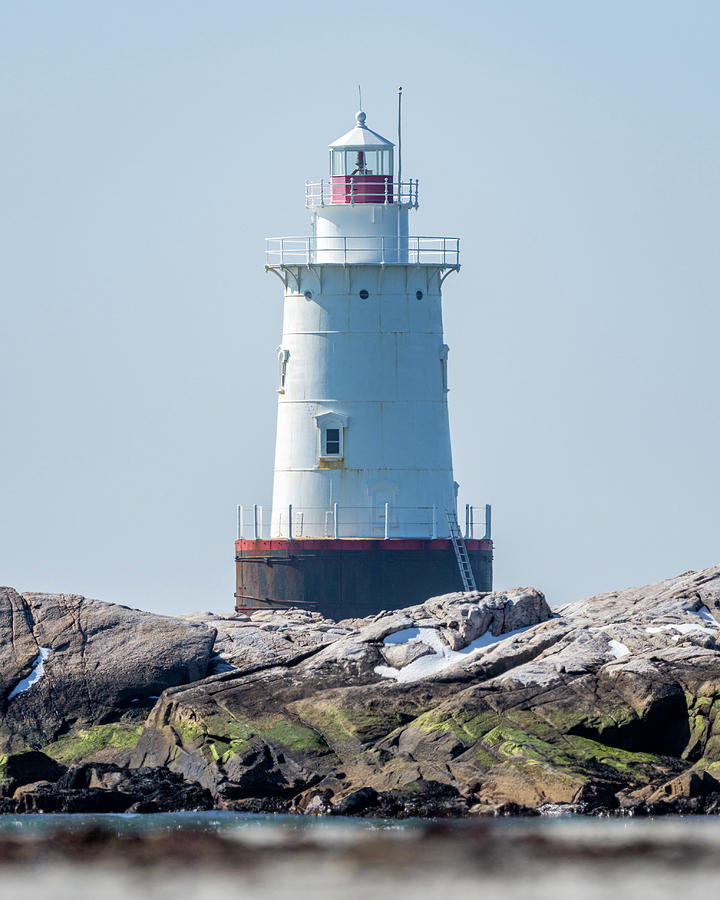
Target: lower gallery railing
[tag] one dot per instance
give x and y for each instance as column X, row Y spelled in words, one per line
column 384, row 521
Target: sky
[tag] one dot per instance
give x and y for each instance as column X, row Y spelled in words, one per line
column 149, row 148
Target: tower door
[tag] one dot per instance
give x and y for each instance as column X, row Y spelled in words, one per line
column 380, row 495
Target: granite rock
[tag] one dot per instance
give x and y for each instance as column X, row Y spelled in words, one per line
column 505, row 703
column 467, row 704
column 70, row 662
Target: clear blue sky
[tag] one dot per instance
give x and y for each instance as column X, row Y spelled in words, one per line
column 148, row 149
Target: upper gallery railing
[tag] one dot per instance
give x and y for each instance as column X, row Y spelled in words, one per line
column 350, row 189
column 363, row 249
column 384, row 521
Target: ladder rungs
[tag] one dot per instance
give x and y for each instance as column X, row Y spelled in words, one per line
column 467, row 575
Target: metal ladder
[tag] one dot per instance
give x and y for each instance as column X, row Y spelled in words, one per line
column 466, row 572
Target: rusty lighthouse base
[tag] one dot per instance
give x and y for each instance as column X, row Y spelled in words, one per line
column 352, row 577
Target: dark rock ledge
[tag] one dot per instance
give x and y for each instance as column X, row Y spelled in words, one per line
column 467, row 705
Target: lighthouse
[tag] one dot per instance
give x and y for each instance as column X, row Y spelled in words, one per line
column 364, row 508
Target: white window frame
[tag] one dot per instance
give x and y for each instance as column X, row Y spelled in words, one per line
column 324, row 421
column 335, row 428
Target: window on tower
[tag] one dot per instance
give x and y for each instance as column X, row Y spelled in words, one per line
column 332, row 433
column 332, row 442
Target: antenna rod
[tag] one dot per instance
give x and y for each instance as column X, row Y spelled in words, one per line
column 398, row 190
column 399, row 143
column 360, row 97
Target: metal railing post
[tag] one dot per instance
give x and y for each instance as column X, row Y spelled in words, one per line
column 387, row 521
column 301, row 523
column 240, row 523
column 488, row 522
column 472, row 522
column 335, row 521
column 352, row 191
column 255, row 521
column 260, row 521
column 290, row 537
column 467, row 520
column 434, row 523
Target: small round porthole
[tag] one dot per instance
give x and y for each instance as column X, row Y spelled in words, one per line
column 308, row 295
column 364, row 294
column 418, row 295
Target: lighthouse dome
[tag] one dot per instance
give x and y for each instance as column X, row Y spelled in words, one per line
column 361, row 137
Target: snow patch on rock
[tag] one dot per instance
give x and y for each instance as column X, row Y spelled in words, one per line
column 704, row 613
column 443, row 655
column 404, row 636
column 617, row 649
column 680, row 627
column 38, row 670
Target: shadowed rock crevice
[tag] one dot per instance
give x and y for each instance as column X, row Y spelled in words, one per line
column 663, row 728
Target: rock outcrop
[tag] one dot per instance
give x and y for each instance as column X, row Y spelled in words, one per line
column 94, row 787
column 479, row 704
column 242, row 641
column 69, row 664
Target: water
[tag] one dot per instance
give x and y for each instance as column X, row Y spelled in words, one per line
column 265, row 827
column 245, row 826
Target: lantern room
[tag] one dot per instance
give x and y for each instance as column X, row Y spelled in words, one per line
column 361, row 166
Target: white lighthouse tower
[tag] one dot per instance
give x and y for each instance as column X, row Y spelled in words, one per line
column 364, row 510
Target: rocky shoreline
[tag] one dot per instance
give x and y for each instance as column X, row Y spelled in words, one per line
column 468, row 705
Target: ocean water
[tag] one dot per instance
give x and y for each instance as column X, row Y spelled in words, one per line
column 245, row 826
column 221, row 820
column 266, row 827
